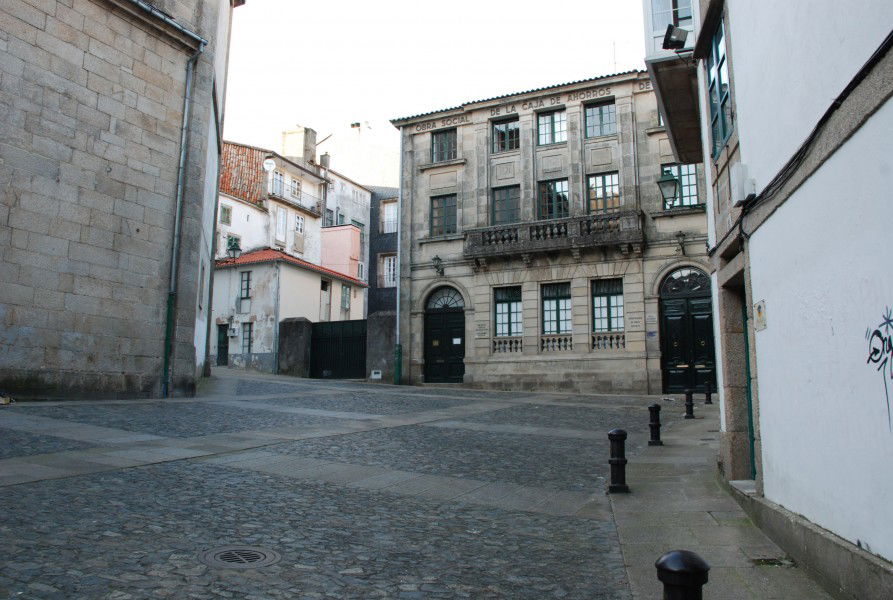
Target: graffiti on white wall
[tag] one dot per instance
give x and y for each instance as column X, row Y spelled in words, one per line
column 880, row 353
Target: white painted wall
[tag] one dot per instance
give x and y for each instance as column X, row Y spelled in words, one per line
column 248, row 222
column 299, row 294
column 822, row 264
column 793, row 59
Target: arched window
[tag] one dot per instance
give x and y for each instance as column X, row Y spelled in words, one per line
column 684, row 283
column 444, row 298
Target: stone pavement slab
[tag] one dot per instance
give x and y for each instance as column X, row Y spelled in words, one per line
column 676, row 502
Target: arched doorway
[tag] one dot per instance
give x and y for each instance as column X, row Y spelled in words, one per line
column 687, row 357
column 444, row 336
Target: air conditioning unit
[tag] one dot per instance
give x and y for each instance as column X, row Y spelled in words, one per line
column 233, row 331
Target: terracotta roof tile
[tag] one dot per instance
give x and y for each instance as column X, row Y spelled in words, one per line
column 266, row 255
column 242, row 173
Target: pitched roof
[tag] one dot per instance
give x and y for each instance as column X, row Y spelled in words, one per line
column 267, row 255
column 242, row 172
column 540, row 89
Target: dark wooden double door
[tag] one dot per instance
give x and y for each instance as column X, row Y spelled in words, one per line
column 687, row 356
column 444, row 346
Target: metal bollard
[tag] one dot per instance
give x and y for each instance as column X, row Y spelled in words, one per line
column 689, row 405
column 618, row 462
column 654, row 424
column 707, row 395
column 683, row 574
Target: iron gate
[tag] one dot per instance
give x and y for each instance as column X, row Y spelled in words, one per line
column 338, row 350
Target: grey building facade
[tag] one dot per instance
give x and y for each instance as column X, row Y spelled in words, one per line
column 109, row 189
column 537, row 251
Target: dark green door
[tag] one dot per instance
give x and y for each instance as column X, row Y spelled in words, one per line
column 445, row 337
column 222, row 346
column 687, row 356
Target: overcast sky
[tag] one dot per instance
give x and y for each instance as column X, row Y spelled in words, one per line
column 330, row 63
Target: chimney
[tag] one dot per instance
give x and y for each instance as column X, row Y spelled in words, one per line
column 324, row 160
column 299, row 143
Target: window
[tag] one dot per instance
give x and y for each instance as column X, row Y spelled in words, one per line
column 295, row 188
column 604, row 193
column 278, row 183
column 361, row 271
column 506, row 205
column 552, row 127
column 389, row 217
column 553, row 202
column 231, row 240
column 607, row 305
column 443, row 145
column 389, row 270
column 677, row 12
column 556, row 308
column 245, row 284
column 688, row 185
column 601, row 119
column 247, row 332
column 324, row 285
column 226, row 214
column 330, row 218
column 281, row 224
column 345, row 296
column 341, row 218
column 299, row 224
column 507, row 311
column 506, row 136
column 443, row 215
column 362, row 229
column 718, row 89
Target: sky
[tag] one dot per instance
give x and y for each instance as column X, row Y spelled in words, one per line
column 328, row 64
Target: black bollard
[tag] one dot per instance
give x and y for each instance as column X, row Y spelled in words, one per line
column 618, row 462
column 683, row 574
column 689, row 405
column 707, row 395
column 654, row 424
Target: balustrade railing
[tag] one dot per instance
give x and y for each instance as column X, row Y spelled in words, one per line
column 507, row 344
column 613, row 340
column 557, row 343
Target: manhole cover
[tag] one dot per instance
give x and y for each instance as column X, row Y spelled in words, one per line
column 240, row 557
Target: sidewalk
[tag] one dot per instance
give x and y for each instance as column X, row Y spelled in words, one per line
column 677, row 503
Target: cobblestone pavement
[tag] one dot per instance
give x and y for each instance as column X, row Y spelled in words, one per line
column 365, row 492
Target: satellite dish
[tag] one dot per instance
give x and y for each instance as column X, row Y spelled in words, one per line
column 269, row 165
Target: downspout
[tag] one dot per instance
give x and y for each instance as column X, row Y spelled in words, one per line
column 175, row 244
column 398, row 349
column 276, row 325
column 635, row 130
column 206, row 370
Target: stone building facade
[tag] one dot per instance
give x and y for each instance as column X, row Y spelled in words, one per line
column 107, row 202
column 537, row 251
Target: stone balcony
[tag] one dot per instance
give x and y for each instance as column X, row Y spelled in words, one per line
column 623, row 230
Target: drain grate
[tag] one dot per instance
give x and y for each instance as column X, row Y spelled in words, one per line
column 240, row 557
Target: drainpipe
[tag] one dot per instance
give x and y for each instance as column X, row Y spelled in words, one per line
column 635, row 140
column 166, row 375
column 206, row 369
column 398, row 349
column 276, row 325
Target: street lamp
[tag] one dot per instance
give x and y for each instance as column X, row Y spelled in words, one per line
column 232, row 248
column 669, row 188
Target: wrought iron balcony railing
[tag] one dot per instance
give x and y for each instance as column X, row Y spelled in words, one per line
column 623, row 229
column 287, row 193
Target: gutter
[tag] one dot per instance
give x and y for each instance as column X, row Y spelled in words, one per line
column 156, row 14
column 170, row 318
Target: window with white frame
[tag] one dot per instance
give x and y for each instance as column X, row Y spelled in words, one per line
column 281, row 225
column 277, row 183
column 361, row 271
column 226, row 214
column 507, row 311
column 389, row 270
column 345, row 296
column 299, row 224
column 295, row 188
column 389, row 217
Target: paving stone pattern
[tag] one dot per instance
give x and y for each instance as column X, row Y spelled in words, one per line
column 174, row 419
column 108, row 542
column 20, row 443
column 566, row 464
column 372, row 403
